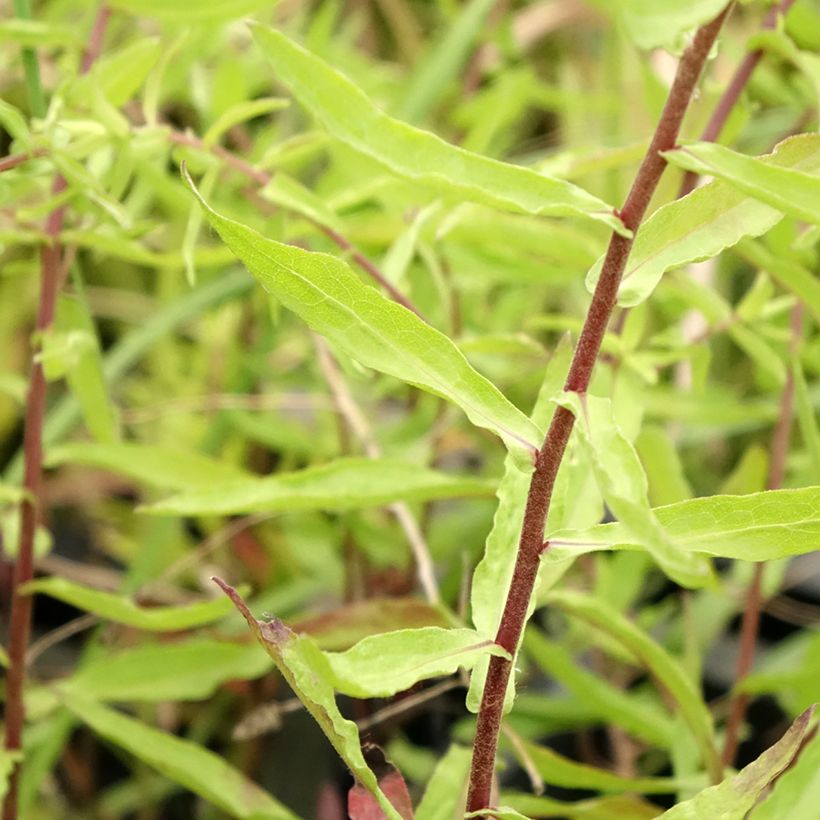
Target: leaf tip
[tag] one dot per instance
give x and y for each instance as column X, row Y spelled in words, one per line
column 236, row 599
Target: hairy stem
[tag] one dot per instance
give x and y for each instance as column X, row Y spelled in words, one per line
column 751, row 613
column 31, row 508
column 732, row 93
column 548, row 458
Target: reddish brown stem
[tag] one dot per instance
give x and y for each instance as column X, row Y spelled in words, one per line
column 751, row 613
column 732, row 93
column 548, row 458
column 13, row 160
column 30, row 508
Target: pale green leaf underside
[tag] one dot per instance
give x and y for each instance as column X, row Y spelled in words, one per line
column 376, row 331
column 180, row 760
column 349, row 116
column 793, row 192
column 444, row 789
column 309, row 674
column 347, row 483
column 664, row 23
column 736, row 795
column 756, row 527
column 623, row 484
column 382, row 665
column 167, row 468
column 124, row 611
column 701, row 225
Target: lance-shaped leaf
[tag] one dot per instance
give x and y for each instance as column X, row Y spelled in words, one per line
column 663, row 667
column 446, row 789
column 168, row 468
column 701, row 225
column 349, row 116
column 381, row 334
column 735, row 797
column 308, row 673
column 190, row 11
column 382, row 665
column 611, row 807
column 346, row 483
column 492, row 576
column 664, row 23
column 182, row 761
column 624, row 487
column 797, row 791
column 793, row 192
column 754, row 527
column 123, row 610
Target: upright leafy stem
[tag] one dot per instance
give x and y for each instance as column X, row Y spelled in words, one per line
column 549, row 456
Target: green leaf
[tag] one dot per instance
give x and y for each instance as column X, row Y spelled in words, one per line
column 444, row 793
column 379, row 333
column 664, row 668
column 37, row 33
column 168, row 468
column 242, row 112
column 8, row 760
column 183, row 670
column 558, row 770
column 197, row 769
column 612, row 705
column 807, row 419
column 289, row 193
column 444, row 61
column 119, row 75
column 14, row 122
column 343, row 484
column 701, row 225
column 612, row 807
column 665, row 23
column 124, row 611
column 351, row 117
column 382, row 665
column 624, row 487
column 796, row 793
column 190, row 11
column 664, row 471
column 756, row 527
column 492, row 575
column 734, row 797
column 793, row 192
column 308, row 673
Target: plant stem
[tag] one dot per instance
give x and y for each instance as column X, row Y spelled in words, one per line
column 548, row 458
column 751, row 612
column 31, row 506
column 732, row 93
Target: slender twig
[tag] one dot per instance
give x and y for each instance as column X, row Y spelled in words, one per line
column 751, row 614
column 31, row 508
column 548, row 458
column 732, row 93
column 262, row 178
column 355, row 419
column 13, row 160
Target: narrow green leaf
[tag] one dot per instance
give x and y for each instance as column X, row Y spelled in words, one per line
column 183, row 670
column 351, row 117
column 664, row 471
column 701, row 225
column 611, row 807
column 793, row 192
column 796, row 793
column 444, row 62
column 665, row 23
column 612, row 705
column 499, row 813
column 346, row 483
column 196, row 768
column 124, row 611
column 733, row 798
column 759, row 351
column 382, row 665
column 756, row 527
column 153, row 465
column 14, row 122
column 242, row 112
column 664, row 668
column 379, row 333
column 11, row 493
column 624, row 487
column 8, row 760
column 308, row 673
column 287, row 192
column 33, row 33
column 445, row 791
column 118, row 75
column 558, row 770
column 492, row 575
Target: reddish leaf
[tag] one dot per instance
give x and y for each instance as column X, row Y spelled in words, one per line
column 361, row 805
